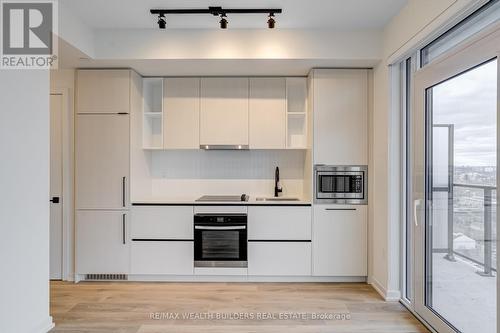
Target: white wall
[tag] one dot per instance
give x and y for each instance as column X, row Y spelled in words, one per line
column 74, row 31
column 24, row 201
column 237, row 44
column 417, row 22
column 192, row 173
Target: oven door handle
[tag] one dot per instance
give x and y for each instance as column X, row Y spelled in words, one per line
column 199, row 227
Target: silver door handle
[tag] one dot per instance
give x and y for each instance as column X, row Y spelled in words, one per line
column 416, row 204
column 220, row 228
column 124, row 190
column 123, row 228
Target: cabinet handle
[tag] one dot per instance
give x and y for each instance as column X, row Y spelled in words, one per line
column 340, row 208
column 123, row 228
column 123, row 190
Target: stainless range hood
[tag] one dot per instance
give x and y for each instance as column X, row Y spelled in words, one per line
column 224, row 147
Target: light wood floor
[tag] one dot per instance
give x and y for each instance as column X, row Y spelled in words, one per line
column 126, row 307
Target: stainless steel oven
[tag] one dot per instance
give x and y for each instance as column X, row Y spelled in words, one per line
column 220, row 240
column 340, row 184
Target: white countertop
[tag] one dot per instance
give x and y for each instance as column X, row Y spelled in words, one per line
column 252, row 201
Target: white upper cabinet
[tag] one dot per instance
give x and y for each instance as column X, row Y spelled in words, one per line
column 267, row 113
column 103, row 91
column 224, row 111
column 181, row 113
column 102, row 165
column 340, row 116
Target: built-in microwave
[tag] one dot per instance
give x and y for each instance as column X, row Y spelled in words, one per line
column 340, row 184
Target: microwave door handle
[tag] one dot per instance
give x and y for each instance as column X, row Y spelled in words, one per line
column 199, row 227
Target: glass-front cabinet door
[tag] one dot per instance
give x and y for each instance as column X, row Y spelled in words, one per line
column 455, row 124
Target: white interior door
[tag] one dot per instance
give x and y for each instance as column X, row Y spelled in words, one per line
column 454, row 188
column 56, row 186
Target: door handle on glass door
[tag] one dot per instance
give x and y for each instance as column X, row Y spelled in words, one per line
column 416, row 204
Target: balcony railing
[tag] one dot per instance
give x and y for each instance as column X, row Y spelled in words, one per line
column 487, row 266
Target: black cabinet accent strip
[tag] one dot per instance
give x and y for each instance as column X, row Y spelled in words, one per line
column 280, row 240
column 160, row 240
column 220, row 204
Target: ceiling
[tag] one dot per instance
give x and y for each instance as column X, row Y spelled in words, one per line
column 297, row 14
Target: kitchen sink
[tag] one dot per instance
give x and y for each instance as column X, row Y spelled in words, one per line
column 278, row 199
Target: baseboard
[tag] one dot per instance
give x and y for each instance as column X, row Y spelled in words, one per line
column 244, row 278
column 70, row 277
column 387, row 295
column 44, row 327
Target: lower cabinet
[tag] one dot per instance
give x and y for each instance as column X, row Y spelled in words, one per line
column 279, row 258
column 279, row 223
column 162, row 257
column 162, row 222
column 340, row 240
column 102, row 245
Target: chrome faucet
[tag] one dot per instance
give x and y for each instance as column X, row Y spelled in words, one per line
column 277, row 186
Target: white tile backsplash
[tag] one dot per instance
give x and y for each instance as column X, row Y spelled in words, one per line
column 186, row 173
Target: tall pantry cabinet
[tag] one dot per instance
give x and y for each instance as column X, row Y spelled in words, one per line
column 102, row 169
column 340, row 102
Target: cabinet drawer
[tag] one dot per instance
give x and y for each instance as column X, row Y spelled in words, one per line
column 162, row 222
column 162, row 257
column 279, row 258
column 279, row 223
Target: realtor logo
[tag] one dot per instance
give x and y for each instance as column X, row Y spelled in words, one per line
column 28, row 33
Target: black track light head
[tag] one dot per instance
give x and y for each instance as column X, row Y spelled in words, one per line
column 223, row 21
column 162, row 22
column 271, row 23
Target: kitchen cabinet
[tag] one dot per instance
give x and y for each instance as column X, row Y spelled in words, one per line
column 102, row 245
column 279, row 258
column 102, row 151
column 340, row 102
column 267, row 107
column 103, row 91
column 279, row 223
column 340, row 240
column 297, row 118
column 181, row 113
column 162, row 257
column 162, row 222
column 224, row 111
column 152, row 113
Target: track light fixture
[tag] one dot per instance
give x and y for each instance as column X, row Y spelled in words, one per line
column 223, row 21
column 271, row 23
column 162, row 22
column 217, row 11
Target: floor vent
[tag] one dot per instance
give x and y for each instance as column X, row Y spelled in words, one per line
column 106, row 277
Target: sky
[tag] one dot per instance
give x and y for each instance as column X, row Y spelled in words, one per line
column 469, row 101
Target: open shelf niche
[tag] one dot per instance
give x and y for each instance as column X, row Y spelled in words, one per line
column 296, row 110
column 152, row 113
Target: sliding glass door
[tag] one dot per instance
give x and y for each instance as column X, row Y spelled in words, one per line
column 454, row 138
